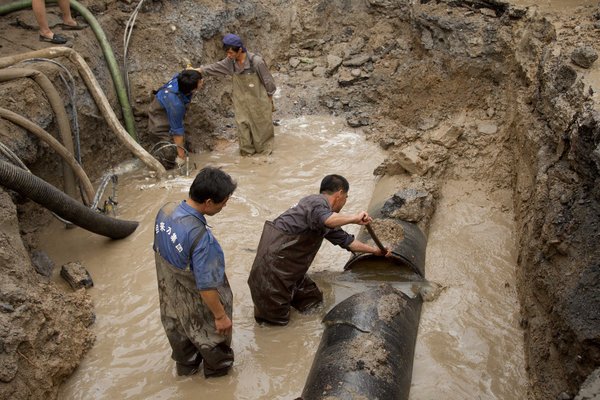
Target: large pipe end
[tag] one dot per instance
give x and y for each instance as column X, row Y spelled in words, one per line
column 367, row 347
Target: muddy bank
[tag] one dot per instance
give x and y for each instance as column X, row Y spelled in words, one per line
column 451, row 90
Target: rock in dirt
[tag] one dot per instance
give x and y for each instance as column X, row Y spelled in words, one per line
column 584, row 56
column 76, row 275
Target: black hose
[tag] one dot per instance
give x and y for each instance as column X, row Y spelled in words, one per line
column 43, row 193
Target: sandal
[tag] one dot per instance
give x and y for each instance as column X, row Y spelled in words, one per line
column 56, row 39
column 76, row 27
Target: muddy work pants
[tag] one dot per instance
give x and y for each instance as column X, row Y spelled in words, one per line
column 253, row 114
column 189, row 324
column 159, row 135
column 278, row 277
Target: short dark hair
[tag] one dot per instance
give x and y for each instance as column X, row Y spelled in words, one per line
column 230, row 47
column 187, row 80
column 212, row 183
column 334, row 183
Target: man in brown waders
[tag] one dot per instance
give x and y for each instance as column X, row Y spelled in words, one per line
column 194, row 293
column 288, row 245
column 253, row 88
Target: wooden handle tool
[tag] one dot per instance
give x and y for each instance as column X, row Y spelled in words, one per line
column 375, row 238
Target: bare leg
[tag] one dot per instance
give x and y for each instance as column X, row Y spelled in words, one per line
column 39, row 11
column 65, row 8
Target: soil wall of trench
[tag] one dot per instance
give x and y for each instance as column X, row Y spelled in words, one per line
column 456, row 89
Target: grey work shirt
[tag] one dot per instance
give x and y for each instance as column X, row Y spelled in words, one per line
column 309, row 216
column 230, row 67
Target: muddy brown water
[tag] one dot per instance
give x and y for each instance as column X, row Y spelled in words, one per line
column 469, row 344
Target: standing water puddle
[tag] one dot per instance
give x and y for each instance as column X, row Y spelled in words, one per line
column 469, row 344
column 457, row 347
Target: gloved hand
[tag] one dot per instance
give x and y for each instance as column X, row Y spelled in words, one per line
column 179, row 162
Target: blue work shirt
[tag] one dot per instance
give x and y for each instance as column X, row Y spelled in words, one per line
column 174, row 235
column 175, row 104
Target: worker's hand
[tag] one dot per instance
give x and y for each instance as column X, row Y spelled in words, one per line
column 363, row 218
column 382, row 253
column 179, row 162
column 224, row 325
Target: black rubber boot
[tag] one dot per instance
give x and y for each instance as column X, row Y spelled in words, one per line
column 217, row 361
column 214, row 373
column 189, row 367
column 279, row 318
column 187, row 370
column 263, row 321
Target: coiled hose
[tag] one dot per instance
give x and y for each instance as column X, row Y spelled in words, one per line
column 62, row 119
column 94, row 87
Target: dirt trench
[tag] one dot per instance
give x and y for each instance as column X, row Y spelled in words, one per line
column 450, row 89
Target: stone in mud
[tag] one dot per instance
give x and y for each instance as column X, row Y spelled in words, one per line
column 76, row 275
column 447, row 137
column 42, row 263
column 411, row 161
column 584, row 56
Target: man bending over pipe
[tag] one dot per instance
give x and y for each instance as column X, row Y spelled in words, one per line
column 288, row 245
column 166, row 113
column 194, row 293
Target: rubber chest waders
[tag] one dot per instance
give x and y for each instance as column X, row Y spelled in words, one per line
column 278, row 277
column 188, row 322
column 253, row 113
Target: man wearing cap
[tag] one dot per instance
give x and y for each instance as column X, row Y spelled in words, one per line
column 253, row 88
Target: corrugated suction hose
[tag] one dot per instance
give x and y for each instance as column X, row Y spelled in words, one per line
column 43, row 193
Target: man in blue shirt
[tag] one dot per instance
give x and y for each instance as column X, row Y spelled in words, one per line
column 194, row 293
column 166, row 113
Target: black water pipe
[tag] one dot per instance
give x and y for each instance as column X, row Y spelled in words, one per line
column 368, row 345
column 410, row 250
column 43, row 193
column 367, row 348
